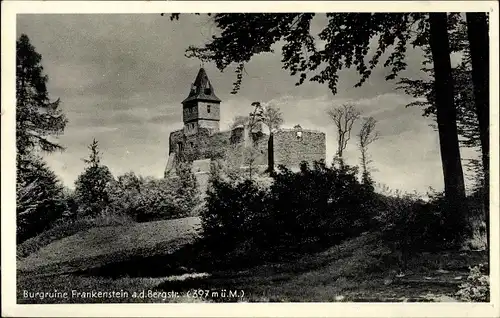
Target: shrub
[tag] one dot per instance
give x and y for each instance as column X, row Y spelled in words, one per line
column 410, row 224
column 477, row 286
column 231, row 213
column 149, row 199
column 40, row 200
column 320, row 205
column 296, row 212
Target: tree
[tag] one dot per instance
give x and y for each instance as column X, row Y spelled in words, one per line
column 272, row 117
column 37, row 118
column 239, row 156
column 467, row 122
column 40, row 200
column 125, row 194
column 347, row 38
column 477, row 27
column 91, row 187
column 343, row 118
column 454, row 185
column 187, row 189
column 266, row 114
column 469, row 127
column 240, row 121
column 366, row 136
column 250, row 156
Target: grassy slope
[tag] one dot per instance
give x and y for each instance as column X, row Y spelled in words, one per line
column 99, row 246
column 359, row 269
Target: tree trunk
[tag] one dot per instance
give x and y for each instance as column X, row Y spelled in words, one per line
column 270, row 153
column 364, row 174
column 477, row 29
column 446, row 116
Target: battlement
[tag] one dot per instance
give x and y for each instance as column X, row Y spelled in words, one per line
column 301, row 129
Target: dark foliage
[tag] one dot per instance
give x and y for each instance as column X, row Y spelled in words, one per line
column 468, row 126
column 304, row 211
column 40, row 198
column 37, row 118
column 91, row 187
column 347, row 38
column 320, row 205
column 316, row 208
column 409, row 224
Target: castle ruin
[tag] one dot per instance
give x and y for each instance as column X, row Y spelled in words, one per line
column 200, row 140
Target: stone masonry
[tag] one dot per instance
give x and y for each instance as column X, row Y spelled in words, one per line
column 200, row 140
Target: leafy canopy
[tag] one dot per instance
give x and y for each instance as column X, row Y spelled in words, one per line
column 467, row 122
column 346, row 38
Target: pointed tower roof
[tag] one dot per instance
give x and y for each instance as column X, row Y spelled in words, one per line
column 202, row 89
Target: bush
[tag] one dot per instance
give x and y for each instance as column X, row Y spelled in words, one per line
column 304, row 211
column 410, row 224
column 477, row 287
column 320, row 205
column 149, row 199
column 232, row 214
column 40, row 200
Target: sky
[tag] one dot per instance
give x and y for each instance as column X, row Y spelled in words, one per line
column 121, row 80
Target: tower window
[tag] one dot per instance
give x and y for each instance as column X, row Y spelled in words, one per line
column 179, row 147
column 298, row 132
column 207, row 89
column 191, row 144
column 208, row 109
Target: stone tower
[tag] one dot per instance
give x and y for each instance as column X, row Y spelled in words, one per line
column 201, row 109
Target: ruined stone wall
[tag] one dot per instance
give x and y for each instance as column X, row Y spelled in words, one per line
column 175, row 138
column 290, row 151
column 189, row 146
column 201, row 145
column 250, row 150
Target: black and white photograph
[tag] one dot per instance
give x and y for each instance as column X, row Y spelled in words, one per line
column 246, row 156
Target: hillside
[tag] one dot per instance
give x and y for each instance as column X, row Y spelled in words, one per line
column 103, row 245
column 127, row 258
